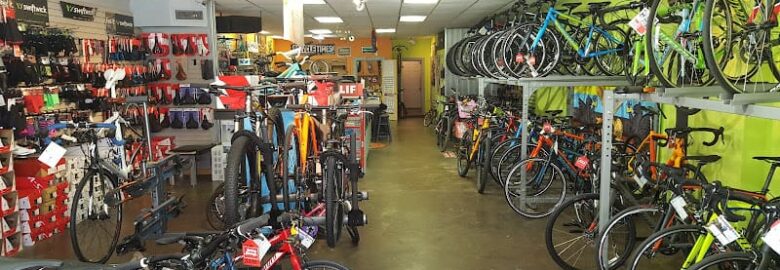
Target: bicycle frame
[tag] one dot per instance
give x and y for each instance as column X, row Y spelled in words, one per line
column 689, row 14
column 284, row 248
column 552, row 17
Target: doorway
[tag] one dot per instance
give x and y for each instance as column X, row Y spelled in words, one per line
column 412, row 85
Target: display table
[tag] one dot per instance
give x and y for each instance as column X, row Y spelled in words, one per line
column 192, row 152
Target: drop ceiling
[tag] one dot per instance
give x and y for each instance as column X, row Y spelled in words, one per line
column 377, row 14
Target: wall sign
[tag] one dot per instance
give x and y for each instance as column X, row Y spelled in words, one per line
column 317, row 48
column 194, row 15
column 351, row 89
column 78, row 12
column 345, row 51
column 33, row 12
column 369, row 50
column 119, row 24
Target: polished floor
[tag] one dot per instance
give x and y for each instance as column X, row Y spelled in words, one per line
column 422, row 215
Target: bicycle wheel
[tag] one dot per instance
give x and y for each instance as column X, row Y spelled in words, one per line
column 544, row 191
column 612, row 37
column 324, row 265
column 495, row 157
column 215, row 210
column 543, row 59
column 729, row 260
column 665, row 249
column 464, row 150
column 633, row 221
column 429, row 117
column 334, row 209
column 572, row 228
column 96, row 217
column 443, row 133
column 674, row 46
column 242, row 173
column 736, row 49
column 483, row 166
column 291, row 171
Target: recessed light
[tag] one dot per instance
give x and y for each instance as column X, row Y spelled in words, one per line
column 385, row 30
column 421, row 1
column 314, row 2
column 412, row 18
column 329, row 19
column 321, row 31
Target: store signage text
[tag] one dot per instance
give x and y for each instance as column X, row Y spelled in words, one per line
column 351, row 89
column 34, row 12
column 119, row 24
column 317, row 48
column 78, row 12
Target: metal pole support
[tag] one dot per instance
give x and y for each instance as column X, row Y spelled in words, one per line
column 528, row 91
column 608, row 118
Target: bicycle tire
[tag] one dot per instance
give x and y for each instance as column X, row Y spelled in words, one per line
column 732, row 260
column 625, row 216
column 690, row 232
column 512, row 157
column 583, row 225
column 441, row 135
column 354, row 234
column 740, row 69
column 482, row 162
column 464, row 150
column 550, row 52
column 620, row 42
column 324, row 265
column 215, row 208
column 78, row 221
column 334, row 209
column 524, row 208
column 291, row 166
column 243, row 151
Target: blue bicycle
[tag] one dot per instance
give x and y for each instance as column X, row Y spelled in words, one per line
column 584, row 42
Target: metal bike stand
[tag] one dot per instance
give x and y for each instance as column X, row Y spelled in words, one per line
column 529, row 87
column 691, row 97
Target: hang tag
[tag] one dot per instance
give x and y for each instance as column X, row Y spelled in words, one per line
column 254, row 250
column 772, row 237
column 555, row 146
column 582, row 162
column 679, row 204
column 723, row 231
column 306, row 239
column 52, row 155
column 63, row 61
column 639, row 22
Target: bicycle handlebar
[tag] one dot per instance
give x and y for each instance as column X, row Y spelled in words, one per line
column 718, row 133
column 249, row 225
column 145, row 262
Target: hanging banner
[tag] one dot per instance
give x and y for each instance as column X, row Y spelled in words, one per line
column 78, row 12
column 293, row 21
column 32, row 12
column 118, row 24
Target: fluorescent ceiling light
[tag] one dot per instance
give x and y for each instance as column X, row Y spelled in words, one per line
column 421, row 1
column 329, row 19
column 385, row 30
column 314, row 2
column 412, row 18
column 264, row 32
column 320, row 31
column 277, row 37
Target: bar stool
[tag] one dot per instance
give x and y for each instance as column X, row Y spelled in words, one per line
column 383, row 127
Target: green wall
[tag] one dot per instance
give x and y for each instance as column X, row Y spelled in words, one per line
column 421, row 48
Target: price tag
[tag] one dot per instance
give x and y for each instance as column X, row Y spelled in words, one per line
column 306, row 239
column 555, row 146
column 772, row 237
column 582, row 162
column 679, row 206
column 640, row 179
column 52, row 154
column 639, row 22
column 723, row 231
column 254, row 250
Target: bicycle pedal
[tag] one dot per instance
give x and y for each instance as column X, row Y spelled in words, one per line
column 362, row 196
column 356, row 217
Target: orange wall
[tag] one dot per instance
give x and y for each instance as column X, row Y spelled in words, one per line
column 384, row 49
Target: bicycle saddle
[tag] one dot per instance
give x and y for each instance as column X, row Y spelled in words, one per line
column 598, row 5
column 703, row 160
column 553, row 112
column 768, row 159
column 571, row 6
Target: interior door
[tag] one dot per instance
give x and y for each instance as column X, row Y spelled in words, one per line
column 412, row 85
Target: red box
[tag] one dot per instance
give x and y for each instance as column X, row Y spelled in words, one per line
column 32, row 182
column 33, row 167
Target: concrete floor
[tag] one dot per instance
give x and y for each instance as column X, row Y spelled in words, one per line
column 421, row 216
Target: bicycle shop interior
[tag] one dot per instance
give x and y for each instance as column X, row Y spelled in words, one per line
column 387, row 134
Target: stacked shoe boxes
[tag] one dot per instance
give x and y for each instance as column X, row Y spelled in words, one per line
column 10, row 232
column 43, row 199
